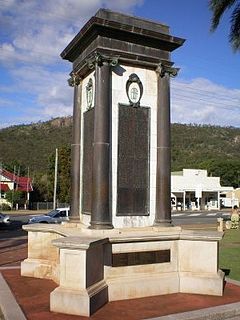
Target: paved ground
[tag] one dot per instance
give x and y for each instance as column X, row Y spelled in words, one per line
column 33, row 294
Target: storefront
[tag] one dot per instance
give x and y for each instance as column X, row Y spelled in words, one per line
column 192, row 189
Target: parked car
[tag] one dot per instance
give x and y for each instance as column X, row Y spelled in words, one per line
column 4, row 219
column 58, row 215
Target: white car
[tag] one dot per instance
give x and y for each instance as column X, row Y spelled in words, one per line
column 58, row 215
column 4, row 219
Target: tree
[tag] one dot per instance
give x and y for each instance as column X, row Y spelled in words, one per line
column 15, row 197
column 64, row 171
column 218, row 8
column 42, row 188
column 16, row 167
column 227, row 170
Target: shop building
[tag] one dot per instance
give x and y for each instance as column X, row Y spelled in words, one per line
column 193, row 189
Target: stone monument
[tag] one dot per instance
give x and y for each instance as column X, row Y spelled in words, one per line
column 120, row 242
column 121, row 148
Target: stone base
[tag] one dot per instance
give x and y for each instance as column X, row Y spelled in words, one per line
column 38, row 268
column 208, row 284
column 43, row 257
column 93, row 267
column 143, row 286
column 79, row 302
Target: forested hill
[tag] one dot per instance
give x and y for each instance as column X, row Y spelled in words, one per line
column 192, row 146
column 32, row 145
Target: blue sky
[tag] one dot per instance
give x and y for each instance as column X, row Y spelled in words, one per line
column 33, row 77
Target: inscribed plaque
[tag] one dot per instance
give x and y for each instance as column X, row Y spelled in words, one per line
column 140, row 258
column 133, row 161
column 88, row 131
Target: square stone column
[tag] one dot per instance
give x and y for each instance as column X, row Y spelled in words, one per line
column 82, row 289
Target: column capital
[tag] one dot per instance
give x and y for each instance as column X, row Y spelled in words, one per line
column 98, row 59
column 163, row 69
column 74, row 80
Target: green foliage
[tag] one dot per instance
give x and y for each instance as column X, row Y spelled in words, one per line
column 15, row 197
column 213, row 148
column 193, row 146
column 31, row 145
column 63, row 174
column 228, row 170
column 43, row 190
column 17, row 167
column 218, row 8
column 229, row 253
column 5, row 207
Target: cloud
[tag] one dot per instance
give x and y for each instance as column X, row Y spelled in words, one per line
column 201, row 101
column 32, row 35
column 40, row 30
column 53, row 97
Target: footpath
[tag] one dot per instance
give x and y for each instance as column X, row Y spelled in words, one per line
column 24, row 298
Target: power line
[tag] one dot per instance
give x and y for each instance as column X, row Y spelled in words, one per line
column 209, row 103
column 202, row 95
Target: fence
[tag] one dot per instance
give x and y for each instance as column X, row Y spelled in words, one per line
column 46, row 205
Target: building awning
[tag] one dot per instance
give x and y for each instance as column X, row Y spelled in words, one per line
column 4, row 187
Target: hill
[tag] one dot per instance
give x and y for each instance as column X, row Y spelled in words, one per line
column 32, row 145
column 207, row 147
column 194, row 145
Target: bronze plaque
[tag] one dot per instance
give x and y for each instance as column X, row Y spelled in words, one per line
column 140, row 258
column 133, row 161
column 88, row 132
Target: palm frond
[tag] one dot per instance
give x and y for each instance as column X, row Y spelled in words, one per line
column 234, row 36
column 218, row 7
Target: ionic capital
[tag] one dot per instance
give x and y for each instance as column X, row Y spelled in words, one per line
column 74, row 80
column 163, row 69
column 99, row 59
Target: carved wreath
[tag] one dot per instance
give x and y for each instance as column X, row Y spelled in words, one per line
column 134, row 93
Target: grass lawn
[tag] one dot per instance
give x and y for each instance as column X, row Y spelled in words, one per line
column 1, row 315
column 229, row 253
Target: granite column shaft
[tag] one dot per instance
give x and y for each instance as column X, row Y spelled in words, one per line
column 76, row 151
column 163, row 176
column 100, row 216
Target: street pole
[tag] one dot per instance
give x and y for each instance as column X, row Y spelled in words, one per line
column 55, row 180
column 27, row 201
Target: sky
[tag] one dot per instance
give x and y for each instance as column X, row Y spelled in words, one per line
column 33, row 77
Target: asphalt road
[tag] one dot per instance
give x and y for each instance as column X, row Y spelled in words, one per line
column 196, row 217
column 178, row 217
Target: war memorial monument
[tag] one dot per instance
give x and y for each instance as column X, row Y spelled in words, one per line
column 120, row 242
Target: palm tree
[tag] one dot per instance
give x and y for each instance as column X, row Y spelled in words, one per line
column 218, row 7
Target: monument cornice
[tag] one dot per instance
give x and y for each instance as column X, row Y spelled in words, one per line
column 139, row 58
column 115, row 26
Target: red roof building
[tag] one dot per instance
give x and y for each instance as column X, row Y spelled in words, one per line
column 19, row 183
column 4, row 187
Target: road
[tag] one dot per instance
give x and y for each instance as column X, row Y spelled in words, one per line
column 178, row 217
column 196, row 217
